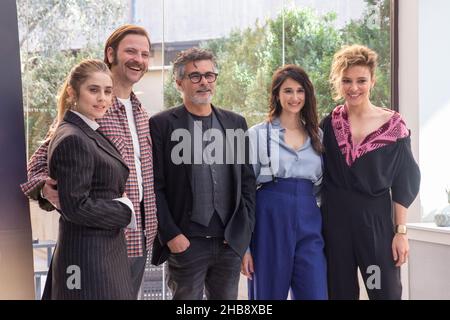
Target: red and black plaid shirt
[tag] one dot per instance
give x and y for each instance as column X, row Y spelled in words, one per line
column 114, row 125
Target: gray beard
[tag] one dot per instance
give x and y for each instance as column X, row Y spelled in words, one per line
column 201, row 101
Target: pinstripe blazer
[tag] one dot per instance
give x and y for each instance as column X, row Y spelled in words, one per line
column 90, row 174
column 113, row 125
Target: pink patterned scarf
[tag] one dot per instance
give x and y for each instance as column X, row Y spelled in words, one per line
column 394, row 129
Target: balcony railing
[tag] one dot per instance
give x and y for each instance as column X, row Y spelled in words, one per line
column 153, row 286
column 38, row 274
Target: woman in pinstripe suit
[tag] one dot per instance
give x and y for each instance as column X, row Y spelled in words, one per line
column 90, row 259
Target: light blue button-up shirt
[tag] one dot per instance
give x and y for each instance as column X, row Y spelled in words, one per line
column 303, row 163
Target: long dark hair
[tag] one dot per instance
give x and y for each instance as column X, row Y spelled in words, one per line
column 308, row 114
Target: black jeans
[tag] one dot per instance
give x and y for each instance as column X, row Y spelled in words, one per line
column 137, row 264
column 208, row 265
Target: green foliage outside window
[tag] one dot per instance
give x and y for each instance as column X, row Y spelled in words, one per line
column 248, row 58
column 47, row 28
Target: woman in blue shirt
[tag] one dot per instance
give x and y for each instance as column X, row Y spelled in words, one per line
column 287, row 248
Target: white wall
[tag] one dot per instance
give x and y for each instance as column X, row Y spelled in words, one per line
column 409, row 80
column 434, row 102
column 428, row 262
column 150, row 89
column 424, row 97
column 409, row 94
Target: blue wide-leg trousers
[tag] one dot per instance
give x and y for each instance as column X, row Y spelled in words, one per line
column 287, row 244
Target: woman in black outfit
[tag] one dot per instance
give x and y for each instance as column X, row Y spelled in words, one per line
column 370, row 180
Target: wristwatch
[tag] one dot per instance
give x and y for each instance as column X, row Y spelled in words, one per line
column 400, row 228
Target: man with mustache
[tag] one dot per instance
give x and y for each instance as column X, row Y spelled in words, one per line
column 205, row 208
column 127, row 53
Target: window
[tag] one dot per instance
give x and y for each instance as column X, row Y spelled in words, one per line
column 55, row 35
column 252, row 38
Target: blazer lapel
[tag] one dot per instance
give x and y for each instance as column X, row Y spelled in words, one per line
column 228, row 123
column 109, row 147
column 180, row 120
column 101, row 141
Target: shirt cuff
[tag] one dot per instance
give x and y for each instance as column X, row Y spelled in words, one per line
column 132, row 225
column 41, row 192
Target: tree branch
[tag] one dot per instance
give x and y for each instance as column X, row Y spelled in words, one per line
column 35, row 23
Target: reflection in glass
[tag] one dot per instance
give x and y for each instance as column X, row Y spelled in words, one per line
column 250, row 46
column 250, row 39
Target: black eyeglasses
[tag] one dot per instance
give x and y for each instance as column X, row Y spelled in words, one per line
column 196, row 77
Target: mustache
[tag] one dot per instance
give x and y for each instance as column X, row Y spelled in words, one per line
column 135, row 65
column 204, row 88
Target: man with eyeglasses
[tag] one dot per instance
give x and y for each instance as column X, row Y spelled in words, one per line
column 205, row 208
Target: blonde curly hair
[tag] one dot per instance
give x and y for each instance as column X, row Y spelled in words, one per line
column 346, row 57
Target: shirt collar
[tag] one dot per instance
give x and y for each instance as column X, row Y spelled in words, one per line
column 91, row 123
column 276, row 124
column 134, row 102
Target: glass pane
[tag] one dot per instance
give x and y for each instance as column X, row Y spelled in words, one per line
column 250, row 39
column 54, row 36
column 238, row 34
column 150, row 88
column 315, row 30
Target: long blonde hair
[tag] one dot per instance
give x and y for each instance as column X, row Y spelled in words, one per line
column 77, row 76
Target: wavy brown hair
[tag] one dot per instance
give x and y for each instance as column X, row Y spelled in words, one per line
column 308, row 114
column 117, row 36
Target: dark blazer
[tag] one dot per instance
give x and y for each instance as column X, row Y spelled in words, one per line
column 90, row 174
column 174, row 190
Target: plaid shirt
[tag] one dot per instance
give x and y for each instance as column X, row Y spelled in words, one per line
column 114, row 125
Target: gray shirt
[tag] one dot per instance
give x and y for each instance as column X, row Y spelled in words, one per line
column 303, row 163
